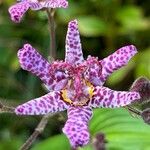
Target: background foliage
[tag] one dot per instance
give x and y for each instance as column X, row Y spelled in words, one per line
column 105, row 25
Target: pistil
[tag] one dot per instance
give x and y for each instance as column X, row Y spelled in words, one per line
column 75, row 100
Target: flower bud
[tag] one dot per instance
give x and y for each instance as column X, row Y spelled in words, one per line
column 146, row 115
column 99, row 142
column 142, row 85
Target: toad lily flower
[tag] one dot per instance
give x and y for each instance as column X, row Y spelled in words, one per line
column 75, row 84
column 18, row 10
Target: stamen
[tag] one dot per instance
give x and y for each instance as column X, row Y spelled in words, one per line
column 81, row 102
column 90, row 88
column 65, row 97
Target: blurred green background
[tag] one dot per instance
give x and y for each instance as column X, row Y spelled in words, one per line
column 105, row 25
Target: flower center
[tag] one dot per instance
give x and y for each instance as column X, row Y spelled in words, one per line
column 79, row 90
column 80, row 97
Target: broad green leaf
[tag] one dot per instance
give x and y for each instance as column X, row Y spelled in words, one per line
column 8, row 58
column 91, row 26
column 131, row 18
column 58, row 142
column 72, row 12
column 14, row 63
column 4, row 56
column 143, row 65
column 122, row 131
column 10, row 144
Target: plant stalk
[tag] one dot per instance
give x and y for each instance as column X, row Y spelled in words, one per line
column 51, row 23
column 52, row 52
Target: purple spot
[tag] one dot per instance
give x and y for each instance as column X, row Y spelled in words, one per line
column 118, row 102
column 71, row 45
column 111, row 58
column 50, row 81
column 104, row 93
column 111, row 97
column 20, row 110
column 24, row 54
column 41, row 75
column 29, row 66
column 23, row 59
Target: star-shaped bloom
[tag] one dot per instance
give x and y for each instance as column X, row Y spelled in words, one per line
column 18, row 10
column 75, row 84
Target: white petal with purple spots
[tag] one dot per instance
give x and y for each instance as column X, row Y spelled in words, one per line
column 94, row 70
column 32, row 61
column 117, row 60
column 55, row 3
column 105, row 97
column 49, row 103
column 18, row 10
column 73, row 46
column 35, row 5
column 76, row 127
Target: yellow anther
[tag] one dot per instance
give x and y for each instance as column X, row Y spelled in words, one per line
column 65, row 97
column 81, row 102
column 90, row 89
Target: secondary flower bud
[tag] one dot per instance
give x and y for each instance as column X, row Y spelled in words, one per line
column 18, row 10
column 142, row 85
column 99, row 142
column 146, row 115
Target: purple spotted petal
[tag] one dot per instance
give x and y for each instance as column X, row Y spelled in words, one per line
column 35, row 5
column 76, row 127
column 55, row 3
column 116, row 60
column 49, row 103
column 18, row 10
column 32, row 61
column 105, row 97
column 93, row 73
column 73, row 46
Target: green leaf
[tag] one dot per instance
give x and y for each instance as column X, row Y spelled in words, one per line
column 58, row 142
column 10, row 144
column 72, row 11
column 4, row 55
column 91, row 26
column 131, row 18
column 122, row 131
column 143, row 67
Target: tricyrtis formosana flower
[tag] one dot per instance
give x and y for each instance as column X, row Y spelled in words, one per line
column 18, row 10
column 75, row 84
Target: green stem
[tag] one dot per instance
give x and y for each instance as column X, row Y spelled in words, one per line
column 6, row 109
column 52, row 52
column 133, row 110
column 38, row 130
column 51, row 22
